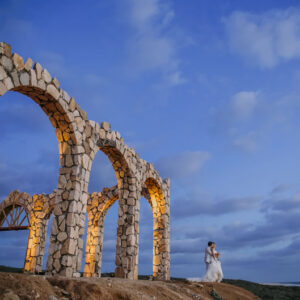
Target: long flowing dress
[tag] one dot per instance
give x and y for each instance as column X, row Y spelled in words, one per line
column 214, row 272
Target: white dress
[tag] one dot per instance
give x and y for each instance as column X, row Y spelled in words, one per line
column 214, row 272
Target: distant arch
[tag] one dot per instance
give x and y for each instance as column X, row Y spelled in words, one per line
column 36, row 210
column 157, row 196
column 97, row 207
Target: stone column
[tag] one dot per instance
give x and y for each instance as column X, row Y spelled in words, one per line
column 161, row 238
column 94, row 247
column 128, row 229
column 36, row 245
column 66, row 244
column 38, row 217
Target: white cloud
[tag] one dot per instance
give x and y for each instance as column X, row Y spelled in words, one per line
column 151, row 52
column 176, row 78
column 266, row 39
column 143, row 11
column 247, row 143
column 182, row 165
column 243, row 104
column 153, row 47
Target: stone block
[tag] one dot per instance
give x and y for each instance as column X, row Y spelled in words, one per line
column 33, row 80
column 3, row 89
column 2, row 73
column 38, row 68
column 130, row 230
column 72, row 104
column 28, row 64
column 119, row 272
column 55, row 82
column 71, row 219
column 105, row 126
column 6, row 63
column 41, row 84
column 18, row 61
column 69, row 247
column 131, row 201
column 62, row 236
column 5, row 49
column 24, row 79
column 46, row 76
column 53, row 91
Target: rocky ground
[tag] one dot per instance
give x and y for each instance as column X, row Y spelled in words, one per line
column 15, row 286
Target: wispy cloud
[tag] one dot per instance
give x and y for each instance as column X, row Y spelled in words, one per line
column 247, row 142
column 265, row 39
column 243, row 104
column 183, row 164
column 152, row 47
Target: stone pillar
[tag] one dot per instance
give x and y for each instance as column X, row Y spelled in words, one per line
column 161, row 237
column 36, row 245
column 41, row 206
column 128, row 229
column 94, row 247
column 66, row 244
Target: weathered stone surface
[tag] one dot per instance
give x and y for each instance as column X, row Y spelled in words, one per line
column 5, row 49
column 55, row 82
column 28, row 64
column 3, row 89
column 33, row 79
column 105, row 126
column 8, row 83
column 62, row 236
column 53, row 91
column 72, row 104
column 24, row 79
column 6, row 63
column 18, row 61
column 46, row 76
column 38, row 68
column 2, row 73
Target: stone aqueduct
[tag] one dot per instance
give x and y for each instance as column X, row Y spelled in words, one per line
column 79, row 139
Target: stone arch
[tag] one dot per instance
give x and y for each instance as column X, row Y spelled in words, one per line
column 79, row 139
column 37, row 210
column 156, row 193
column 97, row 207
column 124, row 161
column 22, row 202
column 72, row 129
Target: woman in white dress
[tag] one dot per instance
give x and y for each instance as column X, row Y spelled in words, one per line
column 214, row 271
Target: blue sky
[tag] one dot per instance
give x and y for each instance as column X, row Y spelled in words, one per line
column 207, row 91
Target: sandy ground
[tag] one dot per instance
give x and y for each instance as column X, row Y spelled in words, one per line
column 21, row 286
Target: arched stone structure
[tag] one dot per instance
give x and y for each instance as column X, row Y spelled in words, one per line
column 97, row 207
column 79, row 139
column 37, row 210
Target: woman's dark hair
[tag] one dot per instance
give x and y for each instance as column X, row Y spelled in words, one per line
column 209, row 243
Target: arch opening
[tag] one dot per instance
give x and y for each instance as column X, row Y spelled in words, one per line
column 157, row 197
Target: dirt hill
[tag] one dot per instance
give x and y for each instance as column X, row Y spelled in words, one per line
column 21, row 286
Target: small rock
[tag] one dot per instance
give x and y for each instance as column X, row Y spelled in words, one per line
column 10, row 295
column 51, row 297
column 64, row 292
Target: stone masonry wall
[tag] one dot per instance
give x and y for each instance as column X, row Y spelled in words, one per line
column 79, row 139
